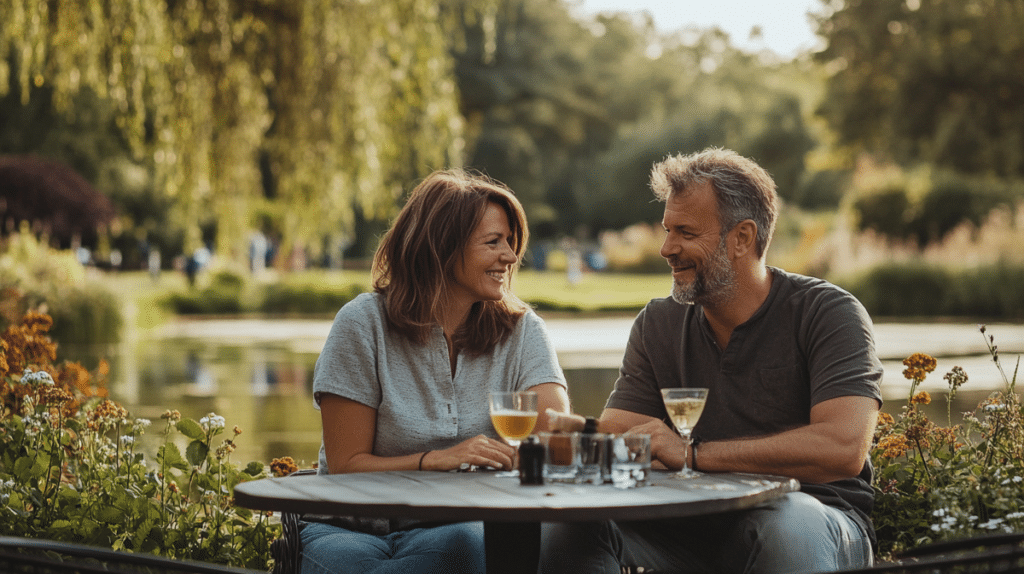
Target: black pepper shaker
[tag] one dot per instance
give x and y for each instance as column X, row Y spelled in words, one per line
column 531, row 461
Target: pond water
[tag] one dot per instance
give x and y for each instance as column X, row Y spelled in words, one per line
column 258, row 374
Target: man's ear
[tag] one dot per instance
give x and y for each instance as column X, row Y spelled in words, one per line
column 744, row 238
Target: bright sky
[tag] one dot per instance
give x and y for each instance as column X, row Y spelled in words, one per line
column 785, row 26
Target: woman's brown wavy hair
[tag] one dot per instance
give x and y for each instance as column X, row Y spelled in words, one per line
column 414, row 266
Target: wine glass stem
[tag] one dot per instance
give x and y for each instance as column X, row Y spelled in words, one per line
column 686, row 452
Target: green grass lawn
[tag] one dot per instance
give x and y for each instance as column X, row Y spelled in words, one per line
column 594, row 291
column 546, row 290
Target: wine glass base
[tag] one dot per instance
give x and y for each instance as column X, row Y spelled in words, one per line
column 507, row 474
column 686, row 473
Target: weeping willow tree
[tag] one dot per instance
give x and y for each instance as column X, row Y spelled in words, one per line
column 338, row 104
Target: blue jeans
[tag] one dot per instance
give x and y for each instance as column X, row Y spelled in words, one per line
column 792, row 534
column 450, row 548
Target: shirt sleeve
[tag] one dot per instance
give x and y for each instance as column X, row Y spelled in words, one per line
column 842, row 360
column 538, row 359
column 347, row 366
column 637, row 381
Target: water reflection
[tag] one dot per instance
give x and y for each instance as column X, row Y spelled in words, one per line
column 266, row 390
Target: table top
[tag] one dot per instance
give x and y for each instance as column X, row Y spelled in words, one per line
column 484, row 496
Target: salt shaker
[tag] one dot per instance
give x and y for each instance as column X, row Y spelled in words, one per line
column 531, row 461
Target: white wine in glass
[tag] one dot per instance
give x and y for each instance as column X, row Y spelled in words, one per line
column 513, row 414
column 684, row 406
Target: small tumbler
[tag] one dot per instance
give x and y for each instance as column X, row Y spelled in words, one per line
column 631, row 460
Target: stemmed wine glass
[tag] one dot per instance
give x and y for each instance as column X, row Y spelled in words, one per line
column 513, row 414
column 684, row 406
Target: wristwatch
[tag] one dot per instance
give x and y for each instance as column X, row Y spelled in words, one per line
column 693, row 452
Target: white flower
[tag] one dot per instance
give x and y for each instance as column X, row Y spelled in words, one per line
column 1014, row 515
column 991, row 524
column 39, row 378
column 212, row 421
column 127, row 439
column 994, row 407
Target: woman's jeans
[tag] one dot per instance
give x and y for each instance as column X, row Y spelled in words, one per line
column 450, row 548
column 792, row 534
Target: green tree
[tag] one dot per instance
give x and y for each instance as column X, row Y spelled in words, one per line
column 305, row 111
column 541, row 93
column 932, row 81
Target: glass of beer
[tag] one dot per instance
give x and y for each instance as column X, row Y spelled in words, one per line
column 684, row 406
column 513, row 414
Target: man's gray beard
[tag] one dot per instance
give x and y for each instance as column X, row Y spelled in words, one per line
column 714, row 284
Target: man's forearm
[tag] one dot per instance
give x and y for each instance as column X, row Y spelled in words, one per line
column 804, row 454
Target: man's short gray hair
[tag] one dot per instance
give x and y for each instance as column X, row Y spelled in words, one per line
column 743, row 189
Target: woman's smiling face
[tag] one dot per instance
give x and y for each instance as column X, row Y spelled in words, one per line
column 488, row 260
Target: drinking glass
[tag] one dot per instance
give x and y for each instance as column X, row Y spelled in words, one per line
column 513, row 414
column 561, row 456
column 630, row 460
column 684, row 406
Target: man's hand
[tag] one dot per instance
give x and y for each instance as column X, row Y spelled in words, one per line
column 666, row 446
column 565, row 422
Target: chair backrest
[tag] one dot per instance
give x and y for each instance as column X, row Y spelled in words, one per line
column 36, row 556
column 995, row 553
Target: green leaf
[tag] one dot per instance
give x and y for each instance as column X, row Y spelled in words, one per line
column 110, row 515
column 196, row 452
column 23, row 468
column 254, row 468
column 69, row 495
column 191, row 429
column 141, row 534
column 170, row 455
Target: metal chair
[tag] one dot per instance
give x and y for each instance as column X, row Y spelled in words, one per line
column 35, row 556
column 996, row 553
column 287, row 550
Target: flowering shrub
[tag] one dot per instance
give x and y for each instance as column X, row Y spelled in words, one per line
column 70, row 469
column 934, row 482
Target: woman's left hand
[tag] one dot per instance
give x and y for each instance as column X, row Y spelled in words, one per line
column 477, row 451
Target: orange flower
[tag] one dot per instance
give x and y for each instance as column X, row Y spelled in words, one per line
column 894, row 446
column 922, row 398
column 283, row 466
column 918, row 366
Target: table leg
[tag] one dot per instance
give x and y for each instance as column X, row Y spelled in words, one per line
column 512, row 547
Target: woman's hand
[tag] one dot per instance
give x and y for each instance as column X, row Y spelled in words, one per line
column 477, row 451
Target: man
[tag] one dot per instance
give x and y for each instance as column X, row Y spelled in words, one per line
column 793, row 378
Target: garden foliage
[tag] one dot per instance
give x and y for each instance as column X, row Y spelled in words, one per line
column 36, row 276
column 71, row 468
column 936, row 483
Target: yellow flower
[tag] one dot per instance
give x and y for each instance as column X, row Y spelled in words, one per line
column 283, row 466
column 922, row 398
column 918, row 366
column 894, row 446
column 885, row 419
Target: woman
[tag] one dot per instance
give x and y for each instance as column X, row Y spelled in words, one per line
column 403, row 378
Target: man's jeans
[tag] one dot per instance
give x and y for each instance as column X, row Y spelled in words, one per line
column 451, row 548
column 792, row 534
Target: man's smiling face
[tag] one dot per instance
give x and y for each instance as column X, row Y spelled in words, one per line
column 695, row 248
